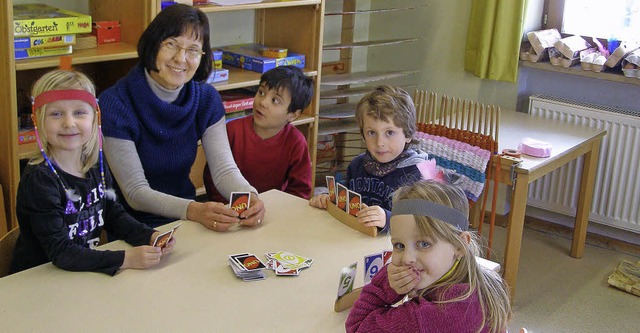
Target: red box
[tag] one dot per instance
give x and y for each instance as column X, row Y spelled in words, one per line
column 106, row 31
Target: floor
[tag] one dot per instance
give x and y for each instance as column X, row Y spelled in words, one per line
column 558, row 293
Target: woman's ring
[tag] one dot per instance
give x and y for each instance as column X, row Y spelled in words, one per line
column 215, row 225
column 259, row 220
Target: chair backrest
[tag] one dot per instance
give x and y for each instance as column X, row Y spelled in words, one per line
column 461, row 135
column 459, row 130
column 7, row 243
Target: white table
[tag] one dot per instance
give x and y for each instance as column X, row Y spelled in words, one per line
column 194, row 289
column 569, row 142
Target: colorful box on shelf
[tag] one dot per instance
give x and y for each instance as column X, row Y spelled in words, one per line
column 106, row 31
column 218, row 75
column 236, row 100
column 249, row 56
column 217, row 58
column 45, row 52
column 43, row 20
column 26, row 136
column 44, row 41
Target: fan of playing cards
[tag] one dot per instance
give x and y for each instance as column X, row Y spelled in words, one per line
column 248, row 266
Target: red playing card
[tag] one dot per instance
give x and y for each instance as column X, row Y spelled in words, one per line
column 342, row 197
column 355, row 201
column 240, row 201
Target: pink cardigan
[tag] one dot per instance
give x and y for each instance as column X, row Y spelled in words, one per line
column 373, row 312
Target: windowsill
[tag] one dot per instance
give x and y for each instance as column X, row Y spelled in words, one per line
column 577, row 70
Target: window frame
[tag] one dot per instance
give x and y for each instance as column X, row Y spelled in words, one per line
column 552, row 14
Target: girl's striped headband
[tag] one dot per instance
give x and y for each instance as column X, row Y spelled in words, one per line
column 431, row 209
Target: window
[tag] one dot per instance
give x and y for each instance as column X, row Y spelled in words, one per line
column 594, row 18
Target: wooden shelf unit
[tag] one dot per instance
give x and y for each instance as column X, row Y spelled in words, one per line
column 295, row 24
column 345, row 85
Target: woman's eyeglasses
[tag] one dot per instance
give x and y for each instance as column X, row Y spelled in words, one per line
column 192, row 52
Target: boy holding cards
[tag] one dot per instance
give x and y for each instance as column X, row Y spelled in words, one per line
column 269, row 151
column 387, row 120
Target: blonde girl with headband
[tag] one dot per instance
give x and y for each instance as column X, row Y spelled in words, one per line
column 65, row 197
column 434, row 264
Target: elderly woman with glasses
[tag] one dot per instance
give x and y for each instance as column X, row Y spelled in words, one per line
column 153, row 119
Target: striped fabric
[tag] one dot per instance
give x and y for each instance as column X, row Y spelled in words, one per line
column 469, row 162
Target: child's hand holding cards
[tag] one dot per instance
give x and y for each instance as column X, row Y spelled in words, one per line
column 163, row 239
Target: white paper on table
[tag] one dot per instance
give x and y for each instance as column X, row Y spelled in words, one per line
column 233, row 2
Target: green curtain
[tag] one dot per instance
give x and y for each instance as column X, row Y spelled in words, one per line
column 493, row 39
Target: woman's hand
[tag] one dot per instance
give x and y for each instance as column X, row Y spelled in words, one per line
column 254, row 215
column 141, row 257
column 213, row 215
column 372, row 216
column 402, row 279
column 319, row 201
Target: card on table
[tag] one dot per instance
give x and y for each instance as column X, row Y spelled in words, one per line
column 240, row 201
column 292, row 261
column 331, row 185
column 164, row 238
column 372, row 264
column 341, row 197
column 248, row 261
column 355, row 202
column 347, row 279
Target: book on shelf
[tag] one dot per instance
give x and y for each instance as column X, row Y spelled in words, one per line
column 44, row 20
column 36, row 42
column 44, row 52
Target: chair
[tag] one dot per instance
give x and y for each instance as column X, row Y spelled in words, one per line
column 7, row 243
column 462, row 136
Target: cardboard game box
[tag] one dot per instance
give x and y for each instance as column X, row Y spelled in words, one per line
column 45, row 52
column 44, row 41
column 217, row 58
column 106, row 31
column 250, row 57
column 236, row 100
column 218, row 75
column 43, row 20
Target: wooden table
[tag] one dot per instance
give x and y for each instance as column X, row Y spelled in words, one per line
column 569, row 142
column 194, row 289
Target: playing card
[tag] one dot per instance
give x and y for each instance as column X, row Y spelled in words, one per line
column 386, row 257
column 341, row 198
column 240, row 201
column 355, row 200
column 331, row 185
column 279, row 269
column 162, row 239
column 232, row 259
column 292, row 261
column 372, row 264
column 249, row 262
column 347, row 278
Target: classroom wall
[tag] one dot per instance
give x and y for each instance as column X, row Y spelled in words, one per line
column 441, row 26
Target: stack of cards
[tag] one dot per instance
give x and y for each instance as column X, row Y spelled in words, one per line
column 247, row 266
column 286, row 263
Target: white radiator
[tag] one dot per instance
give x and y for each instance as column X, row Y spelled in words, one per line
column 616, row 197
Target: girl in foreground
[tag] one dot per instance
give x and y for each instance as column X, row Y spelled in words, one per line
column 434, row 265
